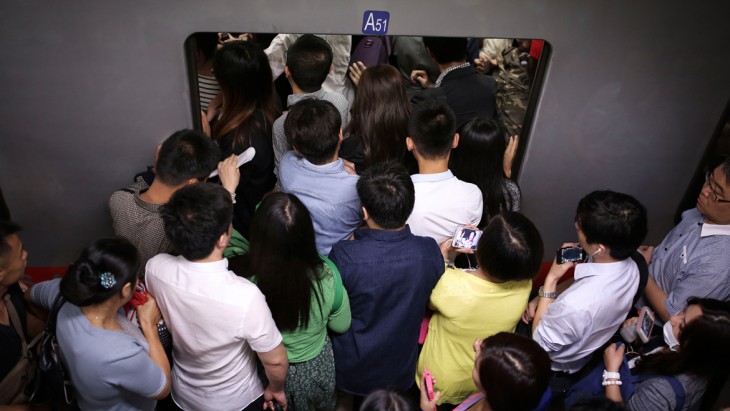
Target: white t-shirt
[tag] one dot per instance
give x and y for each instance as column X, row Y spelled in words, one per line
column 443, row 202
column 217, row 321
column 588, row 313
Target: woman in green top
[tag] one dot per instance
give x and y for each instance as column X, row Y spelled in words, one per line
column 305, row 294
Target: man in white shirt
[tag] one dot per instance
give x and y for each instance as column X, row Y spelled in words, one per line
column 443, row 202
column 572, row 325
column 217, row 319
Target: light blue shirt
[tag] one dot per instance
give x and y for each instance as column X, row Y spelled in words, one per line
column 692, row 261
column 328, row 192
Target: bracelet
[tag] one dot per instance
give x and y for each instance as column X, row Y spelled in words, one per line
column 233, row 197
column 609, row 374
column 611, row 382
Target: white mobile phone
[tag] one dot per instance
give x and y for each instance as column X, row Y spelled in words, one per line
column 465, row 237
column 645, row 323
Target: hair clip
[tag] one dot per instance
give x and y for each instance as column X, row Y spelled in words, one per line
column 107, row 280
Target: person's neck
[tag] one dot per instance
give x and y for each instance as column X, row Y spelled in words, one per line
column 215, row 256
column 296, row 90
column 481, row 405
column 204, row 68
column 375, row 226
column 432, row 166
column 603, row 258
column 480, row 273
column 446, row 66
column 158, row 193
column 103, row 315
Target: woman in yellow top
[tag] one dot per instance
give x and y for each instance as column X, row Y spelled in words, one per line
column 478, row 303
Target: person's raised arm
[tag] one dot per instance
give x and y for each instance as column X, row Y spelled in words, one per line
column 275, row 365
column 612, row 359
column 550, row 287
column 149, row 315
column 657, row 299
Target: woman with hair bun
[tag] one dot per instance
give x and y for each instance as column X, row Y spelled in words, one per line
column 112, row 364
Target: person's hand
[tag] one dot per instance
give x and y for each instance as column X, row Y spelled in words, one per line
column 631, row 322
column 530, row 310
column 613, row 357
column 148, row 314
column 229, row 174
column 356, row 70
column 270, row 396
column 421, row 77
column 646, row 251
column 349, row 167
column 509, row 155
column 484, row 63
column 557, row 271
column 426, row 404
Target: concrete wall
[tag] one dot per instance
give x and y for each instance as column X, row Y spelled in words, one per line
column 88, row 88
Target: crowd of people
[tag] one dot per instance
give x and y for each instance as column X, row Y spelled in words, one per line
column 303, row 259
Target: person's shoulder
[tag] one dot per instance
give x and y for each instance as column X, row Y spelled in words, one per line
column 126, row 195
column 161, row 262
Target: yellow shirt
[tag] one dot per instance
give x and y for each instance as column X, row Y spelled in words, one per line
column 466, row 308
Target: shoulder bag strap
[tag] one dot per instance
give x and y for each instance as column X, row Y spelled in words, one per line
column 339, row 288
column 53, row 316
column 15, row 321
column 678, row 391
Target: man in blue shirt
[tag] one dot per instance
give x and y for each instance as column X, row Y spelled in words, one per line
column 316, row 175
column 389, row 274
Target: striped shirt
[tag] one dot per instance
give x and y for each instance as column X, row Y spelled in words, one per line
column 207, row 88
column 692, row 261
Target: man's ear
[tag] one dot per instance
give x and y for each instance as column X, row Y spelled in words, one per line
column 455, row 143
column 287, row 73
column 193, row 181
column 410, row 145
column 332, row 67
column 340, row 135
column 365, row 214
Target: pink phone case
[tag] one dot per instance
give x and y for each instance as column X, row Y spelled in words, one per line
column 429, row 384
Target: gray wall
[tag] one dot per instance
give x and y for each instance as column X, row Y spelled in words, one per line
column 88, row 88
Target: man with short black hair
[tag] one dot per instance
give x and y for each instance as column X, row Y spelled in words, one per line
column 217, row 319
column 443, row 202
column 186, row 157
column 469, row 93
column 693, row 259
column 308, row 61
column 315, row 173
column 389, row 274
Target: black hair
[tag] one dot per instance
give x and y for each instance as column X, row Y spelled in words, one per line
column 206, row 43
column 511, row 248
column 387, row 193
column 702, row 350
column 514, row 372
column 7, row 228
column 616, row 220
column 195, row 218
column 184, row 155
column 312, row 127
column 478, row 160
column 309, row 60
column 115, row 258
column 446, row 49
column 387, row 400
column 247, row 87
column 432, row 127
column 283, row 257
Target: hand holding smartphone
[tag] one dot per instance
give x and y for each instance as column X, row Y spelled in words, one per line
column 466, row 237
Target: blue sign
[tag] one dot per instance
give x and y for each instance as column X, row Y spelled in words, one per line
column 375, row 22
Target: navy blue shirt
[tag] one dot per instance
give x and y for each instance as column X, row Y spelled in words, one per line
column 389, row 276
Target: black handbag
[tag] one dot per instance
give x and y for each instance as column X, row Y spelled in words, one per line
column 51, row 383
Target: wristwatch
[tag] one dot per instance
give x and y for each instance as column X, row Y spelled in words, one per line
column 553, row 295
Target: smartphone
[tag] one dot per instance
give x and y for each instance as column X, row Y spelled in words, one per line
column 429, row 384
column 645, row 323
column 574, row 254
column 465, row 237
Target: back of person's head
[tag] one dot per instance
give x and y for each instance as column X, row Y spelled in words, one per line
column 196, row 217
column 478, row 160
column 309, row 60
column 446, row 49
column 7, row 228
column 283, row 257
column 206, row 44
column 616, row 220
column 510, row 248
column 387, row 400
column 432, row 127
column 101, row 272
column 184, row 155
column 247, row 85
column 312, row 127
column 387, row 193
column 704, row 341
column 514, row 372
column 380, row 114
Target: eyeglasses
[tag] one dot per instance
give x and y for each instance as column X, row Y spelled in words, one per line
column 710, row 181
